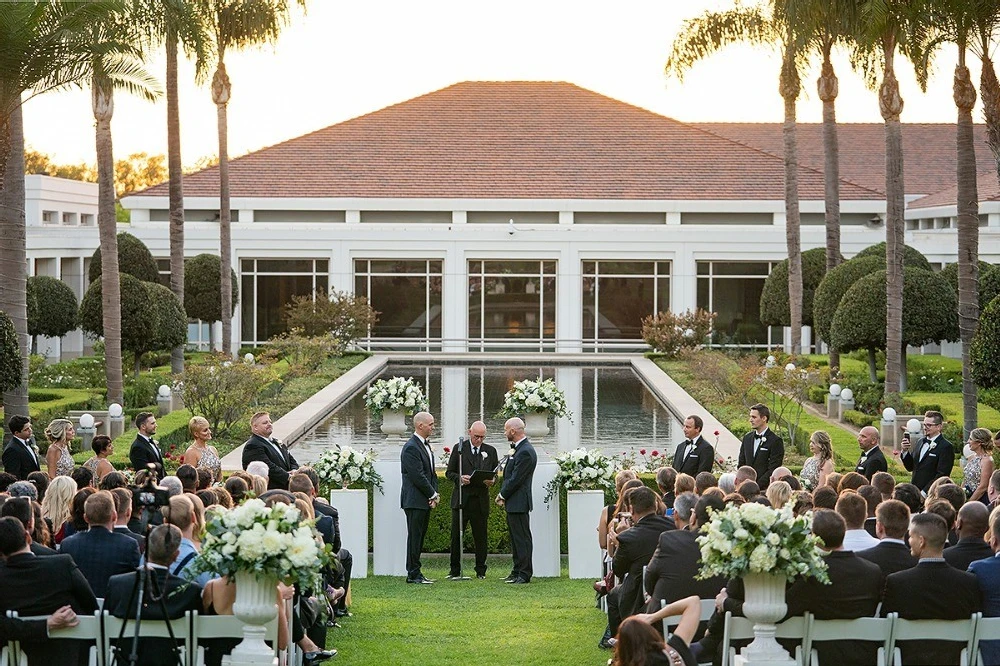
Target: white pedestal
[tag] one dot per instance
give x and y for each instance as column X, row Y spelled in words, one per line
column 353, row 508
column 536, row 425
column 844, row 405
column 389, row 549
column 764, row 606
column 583, row 511
column 833, row 406
column 544, row 524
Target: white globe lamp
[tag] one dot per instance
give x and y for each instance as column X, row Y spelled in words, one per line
column 835, row 390
column 888, row 415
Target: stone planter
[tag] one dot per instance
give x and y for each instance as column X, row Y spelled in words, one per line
column 256, row 605
column 353, row 508
column 764, row 606
column 393, row 423
column 536, row 424
column 583, row 511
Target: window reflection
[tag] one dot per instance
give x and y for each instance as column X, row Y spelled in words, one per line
column 732, row 290
column 406, row 294
column 511, row 301
column 618, row 295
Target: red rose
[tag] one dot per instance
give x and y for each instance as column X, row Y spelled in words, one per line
column 642, row 452
column 447, row 449
column 716, row 433
column 655, row 453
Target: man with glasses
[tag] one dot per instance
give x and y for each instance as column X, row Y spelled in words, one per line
column 470, row 454
column 932, row 456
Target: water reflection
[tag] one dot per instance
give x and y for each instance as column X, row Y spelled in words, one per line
column 612, row 410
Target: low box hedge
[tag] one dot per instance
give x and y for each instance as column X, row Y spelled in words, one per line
column 859, row 419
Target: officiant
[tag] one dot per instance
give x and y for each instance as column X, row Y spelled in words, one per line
column 472, row 453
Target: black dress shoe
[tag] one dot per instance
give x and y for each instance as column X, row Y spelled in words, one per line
column 481, row 576
column 518, row 581
column 421, row 580
column 318, row 657
column 342, row 612
column 509, row 578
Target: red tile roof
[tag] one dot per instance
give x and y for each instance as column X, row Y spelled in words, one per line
column 513, row 140
column 987, row 186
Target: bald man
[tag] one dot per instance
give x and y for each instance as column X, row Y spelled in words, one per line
column 515, row 498
column 872, row 459
column 470, row 454
column 419, row 492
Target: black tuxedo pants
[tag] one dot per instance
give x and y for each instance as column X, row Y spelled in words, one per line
column 477, row 512
column 520, row 544
column 416, row 530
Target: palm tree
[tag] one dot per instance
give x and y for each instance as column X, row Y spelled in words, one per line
column 43, row 47
column 985, row 31
column 703, row 36
column 234, row 24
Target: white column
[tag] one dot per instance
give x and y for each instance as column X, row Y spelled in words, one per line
column 683, row 280
column 389, row 549
column 353, row 508
column 544, row 524
column 454, row 408
column 570, row 382
column 569, row 301
column 454, row 300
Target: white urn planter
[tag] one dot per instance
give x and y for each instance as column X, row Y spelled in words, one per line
column 583, row 510
column 764, row 605
column 256, row 605
column 536, row 424
column 353, row 508
column 393, row 423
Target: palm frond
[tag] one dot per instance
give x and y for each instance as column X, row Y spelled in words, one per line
column 704, row 36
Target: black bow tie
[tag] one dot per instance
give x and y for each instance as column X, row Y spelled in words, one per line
column 688, row 442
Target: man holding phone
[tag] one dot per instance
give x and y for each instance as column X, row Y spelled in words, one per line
column 932, row 456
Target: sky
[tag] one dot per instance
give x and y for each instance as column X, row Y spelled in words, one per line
column 341, row 60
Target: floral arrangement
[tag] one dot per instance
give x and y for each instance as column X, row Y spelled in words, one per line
column 581, row 469
column 753, row 538
column 396, row 393
column 255, row 539
column 344, row 466
column 535, row 396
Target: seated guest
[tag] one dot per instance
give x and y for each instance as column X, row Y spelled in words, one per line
column 224, row 498
column 778, row 493
column 987, row 572
column 749, row 489
column 802, row 502
column 58, row 502
column 123, row 507
column 21, row 508
column 76, row 522
column 6, row 478
column 892, row 518
column 622, row 519
column 36, row 630
column 778, row 474
column 40, row 534
column 189, row 478
column 666, row 477
column 932, row 490
column 84, row 477
column 98, row 464
column 237, row 488
column 640, row 643
column 833, row 481
column 608, row 514
column 734, row 499
column 854, row 591
column 873, row 498
column 635, row 548
column 684, row 484
column 992, row 493
column 179, row 596
column 944, row 509
column 909, row 494
column 792, row 482
column 727, row 482
column 205, row 478
column 40, row 586
column 41, row 482
column 885, row 483
column 100, row 552
column 745, row 473
column 208, row 497
column 932, row 590
column 703, row 482
column 973, row 521
column 182, row 514
column 113, row 479
column 854, row 509
column 258, row 470
column 23, row 489
column 825, row 497
column 851, row 481
column 174, row 485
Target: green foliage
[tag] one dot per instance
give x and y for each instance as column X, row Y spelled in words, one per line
column 203, row 288
column 51, row 306
column 342, row 315
column 818, row 394
column 51, row 403
column 774, row 299
column 170, row 322
column 668, row 333
column 304, row 354
column 10, row 355
column 834, row 285
column 985, row 350
column 134, row 258
column 911, row 256
column 950, row 273
column 85, row 372
column 860, row 419
column 989, row 286
column 222, row 391
column 930, row 311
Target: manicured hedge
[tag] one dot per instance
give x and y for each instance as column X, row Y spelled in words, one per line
column 860, row 419
column 44, row 405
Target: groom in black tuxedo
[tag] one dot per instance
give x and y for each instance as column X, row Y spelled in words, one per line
column 270, row 451
column 144, row 450
column 694, row 454
column 19, row 458
column 515, row 498
column 761, row 449
column 473, row 453
column 419, row 492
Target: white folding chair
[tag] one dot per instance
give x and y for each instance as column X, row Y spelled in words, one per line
column 223, row 626
column 956, row 631
column 181, row 628
column 740, row 628
column 88, row 629
column 987, row 629
column 861, row 629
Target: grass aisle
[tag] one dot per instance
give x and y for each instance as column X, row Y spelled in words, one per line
column 549, row 622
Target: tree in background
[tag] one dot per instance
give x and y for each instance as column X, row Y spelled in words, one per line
column 52, row 308
column 831, row 290
column 202, row 291
column 774, row 298
column 134, row 258
column 344, row 316
column 985, row 349
column 10, row 357
column 989, row 287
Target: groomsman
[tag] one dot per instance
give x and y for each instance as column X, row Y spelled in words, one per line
column 19, row 458
column 470, row 454
column 515, row 498
column 872, row 459
column 144, row 450
column 932, row 456
column 261, row 446
column 694, row 454
column 419, row 492
column 761, row 449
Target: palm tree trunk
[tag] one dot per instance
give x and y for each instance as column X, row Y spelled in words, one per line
column 221, row 90
column 989, row 88
column 968, row 236
column 789, row 88
column 828, row 88
column 891, row 105
column 103, row 107
column 13, row 251
column 176, row 188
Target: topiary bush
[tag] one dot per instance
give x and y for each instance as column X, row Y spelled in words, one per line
column 833, row 287
column 134, row 259
column 668, row 333
column 52, row 307
column 10, row 355
column 911, row 256
column 950, row 273
column 985, row 350
column 203, row 288
column 989, row 286
column 774, row 299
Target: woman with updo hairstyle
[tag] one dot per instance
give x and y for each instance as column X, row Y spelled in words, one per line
column 979, row 468
column 113, row 479
column 99, row 464
column 200, row 455
column 58, row 459
column 237, row 487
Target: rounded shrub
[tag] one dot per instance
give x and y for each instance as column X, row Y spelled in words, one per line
column 911, row 256
column 774, row 299
column 833, row 287
column 203, row 288
column 985, row 350
column 10, row 355
column 52, row 307
column 134, row 259
column 987, row 288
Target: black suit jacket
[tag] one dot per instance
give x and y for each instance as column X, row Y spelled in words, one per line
column 181, row 596
column 517, row 476
column 324, row 509
column 17, row 460
column 135, row 536
column 871, row 463
column 935, row 464
column 931, row 591
column 487, row 461
column 670, row 574
column 855, row 591
column 636, row 546
column 890, row 557
column 278, row 466
column 699, row 460
column 967, row 551
column 101, row 554
column 770, row 455
column 141, row 454
column 420, row 482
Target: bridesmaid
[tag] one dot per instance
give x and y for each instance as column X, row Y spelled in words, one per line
column 58, row 459
column 200, row 455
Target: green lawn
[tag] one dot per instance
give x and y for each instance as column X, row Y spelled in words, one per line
column 549, row 622
column 951, row 407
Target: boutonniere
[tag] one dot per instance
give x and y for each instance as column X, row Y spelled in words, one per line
column 932, row 446
column 482, row 454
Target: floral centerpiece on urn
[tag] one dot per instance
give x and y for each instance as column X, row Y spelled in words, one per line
column 392, row 399
column 343, row 466
column 535, row 400
column 582, row 469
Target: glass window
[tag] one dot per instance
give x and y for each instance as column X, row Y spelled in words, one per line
column 732, row 290
column 512, row 300
column 618, row 295
column 406, row 294
column 284, row 266
column 268, row 286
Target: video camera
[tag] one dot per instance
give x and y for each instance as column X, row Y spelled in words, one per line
column 149, row 497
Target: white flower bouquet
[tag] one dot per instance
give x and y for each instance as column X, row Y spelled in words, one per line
column 753, row 538
column 581, row 469
column 400, row 393
column 264, row 541
column 535, row 396
column 343, row 466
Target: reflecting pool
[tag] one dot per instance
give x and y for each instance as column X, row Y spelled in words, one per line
column 611, row 410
